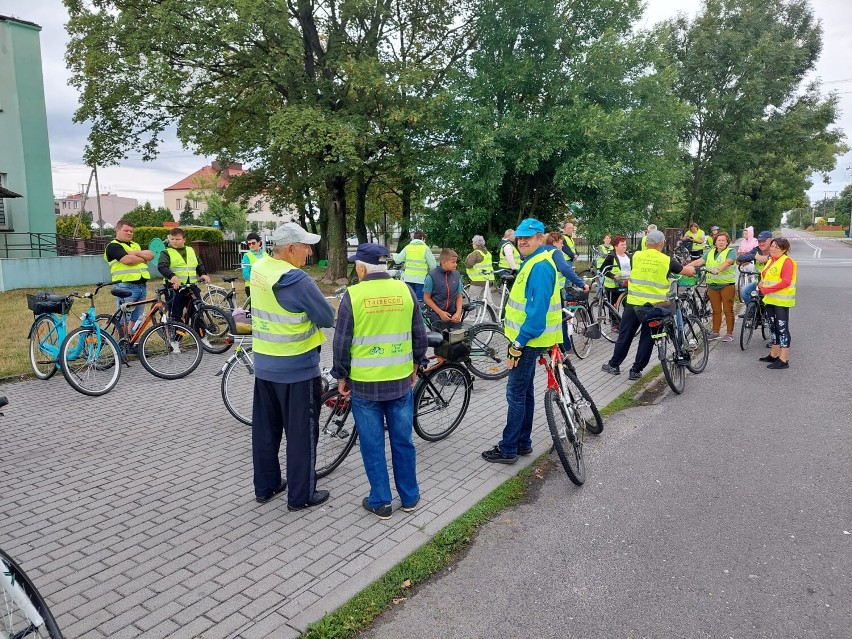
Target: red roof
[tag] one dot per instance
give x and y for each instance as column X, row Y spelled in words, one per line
column 191, row 181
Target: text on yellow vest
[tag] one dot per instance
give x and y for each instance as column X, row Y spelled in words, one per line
column 648, row 278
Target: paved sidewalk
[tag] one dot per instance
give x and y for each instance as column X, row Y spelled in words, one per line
column 135, row 513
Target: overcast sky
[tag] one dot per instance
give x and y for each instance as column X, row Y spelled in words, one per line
column 146, row 181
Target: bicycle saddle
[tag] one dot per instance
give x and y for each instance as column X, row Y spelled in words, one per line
column 434, row 339
column 507, row 277
column 229, row 278
column 120, row 292
column 471, row 306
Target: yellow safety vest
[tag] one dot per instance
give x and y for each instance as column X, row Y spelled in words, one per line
column 615, row 270
column 416, row 267
column 714, row 259
column 127, row 272
column 696, row 242
column 771, row 274
column 274, row 329
column 504, row 263
column 516, row 313
column 252, row 258
column 381, row 349
column 569, row 242
column 643, row 243
column 604, row 251
column 648, row 278
column 184, row 269
column 483, row 270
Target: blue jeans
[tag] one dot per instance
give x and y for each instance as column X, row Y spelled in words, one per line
column 520, row 394
column 139, row 293
column 747, row 290
column 418, row 290
column 370, row 418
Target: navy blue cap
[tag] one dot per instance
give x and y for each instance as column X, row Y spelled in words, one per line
column 370, row 254
column 529, row 227
column 764, row 235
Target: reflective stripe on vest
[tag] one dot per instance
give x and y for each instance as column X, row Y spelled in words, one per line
column 127, row 272
column 415, row 261
column 275, row 330
column 483, row 270
column 771, row 274
column 184, row 269
column 381, row 349
column 516, row 313
column 504, row 263
column 714, row 260
column 648, row 278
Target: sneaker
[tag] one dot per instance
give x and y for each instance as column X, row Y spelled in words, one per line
column 768, row 358
column 494, row 456
column 206, row 342
column 382, row 512
column 712, row 336
column 411, row 508
column 778, row 363
column 175, row 346
column 634, row 375
column 612, row 370
column 524, row 451
column 768, row 344
column 728, row 338
column 320, row 497
column 281, row 487
column 741, row 315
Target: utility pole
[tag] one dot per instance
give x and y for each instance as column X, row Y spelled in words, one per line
column 98, row 195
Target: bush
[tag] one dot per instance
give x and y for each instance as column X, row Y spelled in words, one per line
column 142, row 235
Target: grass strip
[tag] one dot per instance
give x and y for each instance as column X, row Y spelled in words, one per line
column 627, row 399
column 424, row 562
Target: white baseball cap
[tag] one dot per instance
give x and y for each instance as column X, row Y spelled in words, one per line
column 292, row 233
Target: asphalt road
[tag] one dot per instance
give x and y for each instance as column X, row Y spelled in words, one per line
column 723, row 512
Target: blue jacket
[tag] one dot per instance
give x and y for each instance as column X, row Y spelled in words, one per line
column 539, row 289
column 564, row 266
column 297, row 292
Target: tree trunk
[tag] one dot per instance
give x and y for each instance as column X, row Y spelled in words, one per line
column 336, row 232
column 312, row 218
column 323, row 227
column 361, row 187
column 405, row 223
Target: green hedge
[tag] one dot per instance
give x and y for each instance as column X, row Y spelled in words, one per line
column 144, row 234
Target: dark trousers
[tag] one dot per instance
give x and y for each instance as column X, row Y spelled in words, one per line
column 626, row 332
column 291, row 409
column 180, row 301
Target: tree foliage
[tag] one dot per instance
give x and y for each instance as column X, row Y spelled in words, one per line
column 147, row 215
column 187, row 217
column 66, row 224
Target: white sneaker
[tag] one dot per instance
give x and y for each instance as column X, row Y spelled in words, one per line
column 206, row 342
column 175, row 347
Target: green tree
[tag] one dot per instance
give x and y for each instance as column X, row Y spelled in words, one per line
column 66, row 224
column 740, row 66
column 230, row 215
column 147, row 215
column 187, row 217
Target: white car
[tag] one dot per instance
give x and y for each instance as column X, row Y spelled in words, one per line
column 352, row 240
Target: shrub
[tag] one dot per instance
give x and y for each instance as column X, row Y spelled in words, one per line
column 142, row 235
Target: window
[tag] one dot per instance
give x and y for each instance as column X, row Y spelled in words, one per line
column 4, row 222
column 64, row 204
column 178, row 206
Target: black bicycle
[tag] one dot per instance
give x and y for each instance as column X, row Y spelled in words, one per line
column 441, row 398
column 754, row 317
column 211, row 323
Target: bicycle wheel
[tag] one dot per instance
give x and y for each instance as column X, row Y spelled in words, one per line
column 695, row 344
column 747, row 327
column 238, row 386
column 441, row 398
column 23, row 611
column 90, row 361
column 568, row 446
column 213, row 326
column 607, row 318
column 337, row 432
column 44, row 346
column 171, row 350
column 580, row 343
column 488, row 348
column 763, row 322
column 481, row 314
column 582, row 403
column 219, row 298
column 674, row 373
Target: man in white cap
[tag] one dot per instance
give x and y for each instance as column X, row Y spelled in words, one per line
column 288, row 310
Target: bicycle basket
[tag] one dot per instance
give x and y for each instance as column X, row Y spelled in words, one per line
column 44, row 302
column 453, row 352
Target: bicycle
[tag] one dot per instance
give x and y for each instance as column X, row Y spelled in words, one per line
column 602, row 311
column 23, row 610
column 570, row 412
column 681, row 340
column 212, row 324
column 442, row 393
column 166, row 348
column 224, row 298
column 88, row 357
column 747, row 275
column 237, row 374
column 484, row 310
column 754, row 316
column 582, row 328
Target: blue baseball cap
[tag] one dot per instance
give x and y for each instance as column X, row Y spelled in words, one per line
column 529, row 227
column 764, row 235
column 370, row 254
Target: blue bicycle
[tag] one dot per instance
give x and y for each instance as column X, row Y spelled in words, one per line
column 89, row 358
